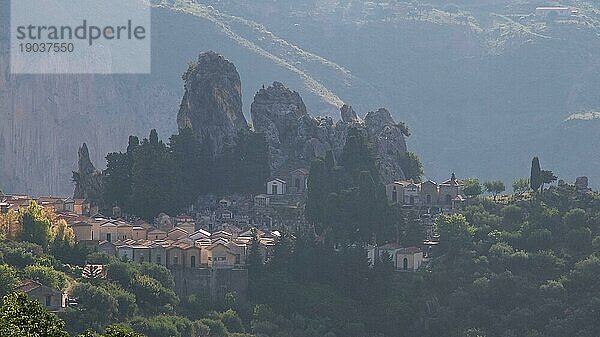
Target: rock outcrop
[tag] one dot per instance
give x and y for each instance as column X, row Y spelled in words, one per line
column 291, row 133
column 212, row 102
column 388, row 140
column 295, row 138
column 88, row 180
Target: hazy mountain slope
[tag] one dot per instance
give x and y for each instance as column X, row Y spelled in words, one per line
column 483, row 85
column 46, row 118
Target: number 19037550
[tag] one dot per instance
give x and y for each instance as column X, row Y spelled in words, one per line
column 47, row 47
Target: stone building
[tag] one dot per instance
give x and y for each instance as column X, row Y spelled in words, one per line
column 299, row 181
column 276, row 187
column 447, row 195
column 52, row 299
column 403, row 258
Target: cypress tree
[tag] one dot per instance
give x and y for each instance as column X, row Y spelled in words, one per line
column 536, row 174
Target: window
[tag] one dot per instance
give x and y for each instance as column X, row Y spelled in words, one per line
column 273, row 189
column 109, row 237
column 448, row 198
column 394, row 195
column 237, row 259
column 412, row 200
column 92, row 235
column 193, row 262
column 158, row 260
column 48, row 300
column 175, row 260
column 297, row 183
column 428, row 199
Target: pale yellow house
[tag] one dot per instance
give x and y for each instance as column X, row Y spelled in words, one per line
column 219, row 255
column 82, row 231
column 139, row 233
column 177, row 233
column 157, row 234
column 184, row 255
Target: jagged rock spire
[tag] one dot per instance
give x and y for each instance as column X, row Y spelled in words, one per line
column 212, row 102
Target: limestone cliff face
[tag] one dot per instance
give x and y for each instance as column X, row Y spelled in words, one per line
column 212, row 102
column 295, row 138
column 45, row 118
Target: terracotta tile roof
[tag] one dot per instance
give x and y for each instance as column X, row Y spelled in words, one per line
column 27, row 286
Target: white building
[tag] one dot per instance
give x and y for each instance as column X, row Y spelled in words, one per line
column 276, row 187
column 403, row 259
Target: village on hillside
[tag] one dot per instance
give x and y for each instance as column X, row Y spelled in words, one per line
column 200, row 247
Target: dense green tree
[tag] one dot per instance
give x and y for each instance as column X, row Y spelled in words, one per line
column 512, row 216
column 8, row 279
column 575, row 218
column 35, row 225
column 20, row 254
column 251, row 162
column 46, row 276
column 412, row 167
column 118, row 176
column 357, row 155
column 456, row 233
column 112, row 331
column 521, row 185
column 231, row 320
column 347, row 203
column 318, row 183
column 535, row 178
column 167, row 325
column 494, row 187
column 63, row 245
column 156, row 179
column 20, row 316
column 472, row 188
column 126, row 301
column 122, row 272
column 254, row 264
column 96, row 307
column 192, row 163
column 547, row 177
column 159, row 273
column 152, row 296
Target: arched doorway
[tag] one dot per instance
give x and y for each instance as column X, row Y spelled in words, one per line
column 405, row 264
